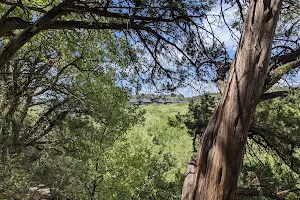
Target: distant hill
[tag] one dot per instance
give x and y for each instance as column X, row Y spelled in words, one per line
column 172, row 96
column 147, row 99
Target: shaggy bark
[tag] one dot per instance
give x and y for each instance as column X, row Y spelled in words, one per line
column 251, row 192
column 222, row 146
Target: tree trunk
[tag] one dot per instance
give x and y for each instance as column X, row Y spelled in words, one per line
column 220, row 154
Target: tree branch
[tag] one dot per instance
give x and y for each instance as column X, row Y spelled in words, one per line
column 272, row 95
column 105, row 13
column 258, row 192
column 18, row 41
column 240, row 9
column 276, row 74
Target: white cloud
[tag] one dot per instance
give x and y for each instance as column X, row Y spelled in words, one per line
column 197, row 88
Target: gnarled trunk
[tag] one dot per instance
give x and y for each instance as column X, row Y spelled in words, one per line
column 222, row 146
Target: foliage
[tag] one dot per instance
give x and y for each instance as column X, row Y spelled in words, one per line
column 199, row 112
column 151, row 31
column 49, row 88
column 99, row 162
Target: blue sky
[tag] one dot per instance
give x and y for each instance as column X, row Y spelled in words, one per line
column 223, row 35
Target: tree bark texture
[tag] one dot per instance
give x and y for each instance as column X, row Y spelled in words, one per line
column 220, row 154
